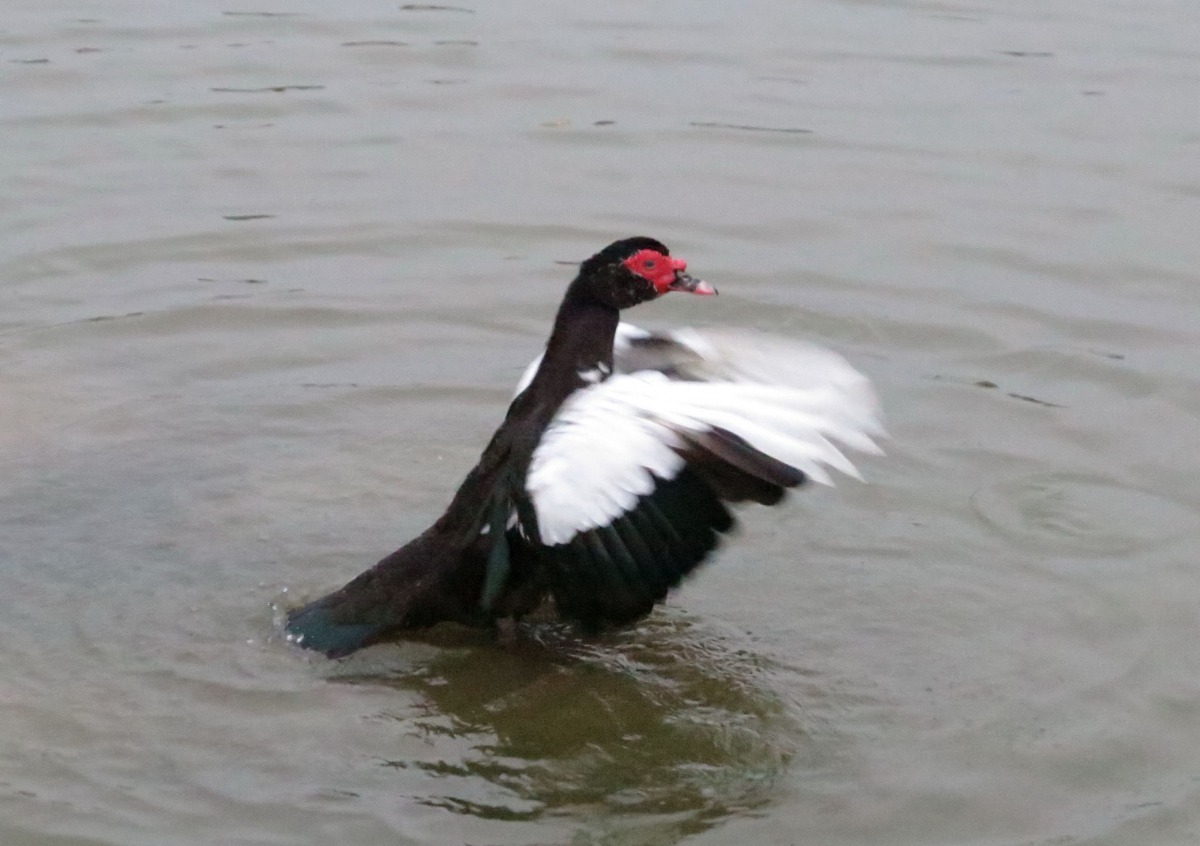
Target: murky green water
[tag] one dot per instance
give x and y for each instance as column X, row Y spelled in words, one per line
column 268, row 272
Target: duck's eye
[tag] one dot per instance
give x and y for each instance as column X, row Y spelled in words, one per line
column 648, row 264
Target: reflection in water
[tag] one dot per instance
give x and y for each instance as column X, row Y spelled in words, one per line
column 650, row 735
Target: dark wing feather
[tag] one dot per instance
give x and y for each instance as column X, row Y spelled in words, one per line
column 614, row 574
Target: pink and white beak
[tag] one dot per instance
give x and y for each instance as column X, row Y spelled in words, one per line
column 688, row 283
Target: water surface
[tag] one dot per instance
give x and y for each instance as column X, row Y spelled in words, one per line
column 268, row 272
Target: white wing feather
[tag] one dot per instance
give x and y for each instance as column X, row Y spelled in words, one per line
column 608, row 443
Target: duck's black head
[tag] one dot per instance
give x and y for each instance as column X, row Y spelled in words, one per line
column 633, row 271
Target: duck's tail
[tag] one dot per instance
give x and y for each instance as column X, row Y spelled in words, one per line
column 316, row 626
column 428, row 581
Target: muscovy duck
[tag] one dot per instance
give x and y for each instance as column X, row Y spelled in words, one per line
column 608, row 480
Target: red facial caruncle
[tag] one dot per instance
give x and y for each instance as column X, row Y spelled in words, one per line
column 666, row 273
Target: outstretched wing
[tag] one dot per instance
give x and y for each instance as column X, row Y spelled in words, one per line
column 629, row 481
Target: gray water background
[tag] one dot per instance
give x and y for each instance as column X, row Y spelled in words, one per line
column 268, row 271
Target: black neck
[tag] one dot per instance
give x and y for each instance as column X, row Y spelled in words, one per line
column 581, row 341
